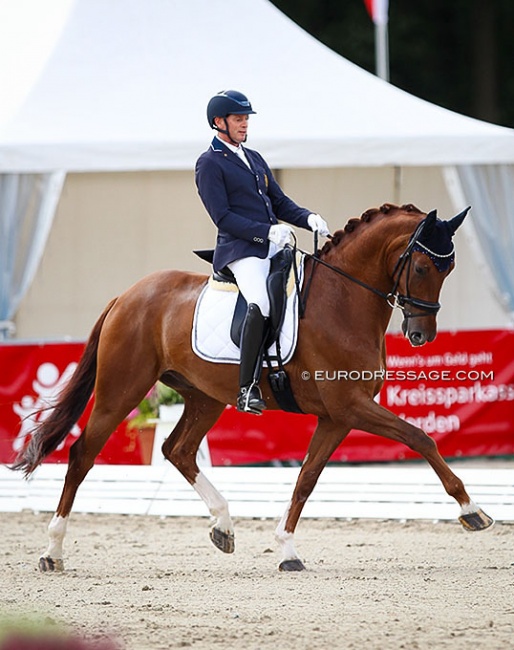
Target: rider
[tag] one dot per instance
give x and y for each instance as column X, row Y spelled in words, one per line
column 245, row 202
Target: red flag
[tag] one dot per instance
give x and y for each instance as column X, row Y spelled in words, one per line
column 378, row 10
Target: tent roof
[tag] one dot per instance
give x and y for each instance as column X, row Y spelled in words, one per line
column 96, row 85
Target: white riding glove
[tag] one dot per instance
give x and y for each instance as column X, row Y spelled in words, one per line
column 280, row 234
column 318, row 223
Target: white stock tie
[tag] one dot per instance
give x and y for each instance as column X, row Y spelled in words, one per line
column 240, row 152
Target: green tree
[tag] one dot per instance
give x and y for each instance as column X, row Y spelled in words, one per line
column 457, row 54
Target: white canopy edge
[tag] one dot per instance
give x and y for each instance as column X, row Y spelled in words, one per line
column 124, row 85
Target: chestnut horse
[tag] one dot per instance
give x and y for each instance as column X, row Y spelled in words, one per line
column 376, row 263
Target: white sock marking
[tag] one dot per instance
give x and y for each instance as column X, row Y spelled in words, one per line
column 285, row 540
column 469, row 508
column 56, row 532
column 215, row 502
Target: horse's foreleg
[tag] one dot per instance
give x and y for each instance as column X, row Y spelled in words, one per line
column 376, row 419
column 181, row 448
column 324, row 442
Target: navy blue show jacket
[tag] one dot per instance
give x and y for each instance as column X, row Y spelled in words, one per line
column 243, row 203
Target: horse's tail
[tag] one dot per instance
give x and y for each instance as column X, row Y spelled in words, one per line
column 70, row 405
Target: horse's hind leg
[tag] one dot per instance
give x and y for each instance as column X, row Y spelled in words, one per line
column 106, row 415
column 82, row 456
column 375, row 419
column 181, row 447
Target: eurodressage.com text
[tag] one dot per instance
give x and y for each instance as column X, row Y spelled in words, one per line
column 422, row 395
column 398, row 375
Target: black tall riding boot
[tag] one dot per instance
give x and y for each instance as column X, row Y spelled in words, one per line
column 251, row 345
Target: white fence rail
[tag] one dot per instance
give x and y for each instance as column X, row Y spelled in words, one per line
column 371, row 492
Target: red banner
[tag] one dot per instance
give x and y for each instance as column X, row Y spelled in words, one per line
column 31, row 376
column 459, row 389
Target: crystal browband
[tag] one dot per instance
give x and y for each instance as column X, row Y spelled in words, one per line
column 441, row 261
column 436, row 254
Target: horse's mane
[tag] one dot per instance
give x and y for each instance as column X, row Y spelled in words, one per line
column 366, row 217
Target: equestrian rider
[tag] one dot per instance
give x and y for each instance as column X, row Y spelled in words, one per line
column 245, row 202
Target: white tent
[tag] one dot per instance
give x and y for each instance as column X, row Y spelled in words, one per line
column 122, row 85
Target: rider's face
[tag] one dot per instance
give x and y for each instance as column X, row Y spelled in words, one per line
column 237, row 127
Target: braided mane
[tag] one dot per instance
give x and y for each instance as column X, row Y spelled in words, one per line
column 366, row 217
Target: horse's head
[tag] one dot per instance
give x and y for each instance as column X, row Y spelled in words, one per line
column 420, row 272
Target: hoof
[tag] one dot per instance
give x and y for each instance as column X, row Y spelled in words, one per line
column 476, row 521
column 291, row 565
column 48, row 564
column 224, row 541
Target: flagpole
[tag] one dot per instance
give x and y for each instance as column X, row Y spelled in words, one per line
column 381, row 51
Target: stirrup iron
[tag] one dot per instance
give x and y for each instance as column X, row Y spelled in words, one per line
column 250, row 400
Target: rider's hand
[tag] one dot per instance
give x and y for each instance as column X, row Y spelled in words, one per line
column 280, row 234
column 318, row 223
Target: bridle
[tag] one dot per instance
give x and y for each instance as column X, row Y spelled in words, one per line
column 396, row 299
column 393, row 298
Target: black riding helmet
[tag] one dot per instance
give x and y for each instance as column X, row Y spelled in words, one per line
column 225, row 103
column 228, row 102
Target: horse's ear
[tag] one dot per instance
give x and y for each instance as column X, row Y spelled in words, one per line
column 454, row 223
column 429, row 224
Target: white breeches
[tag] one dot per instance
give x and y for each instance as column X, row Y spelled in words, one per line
column 251, row 274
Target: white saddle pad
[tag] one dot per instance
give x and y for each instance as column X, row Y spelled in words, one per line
column 213, row 318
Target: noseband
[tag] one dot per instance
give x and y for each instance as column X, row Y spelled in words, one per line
column 393, row 298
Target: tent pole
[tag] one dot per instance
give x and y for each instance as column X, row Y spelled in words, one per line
column 397, row 184
column 381, row 51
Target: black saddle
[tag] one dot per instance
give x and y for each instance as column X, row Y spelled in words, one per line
column 280, row 267
column 276, row 283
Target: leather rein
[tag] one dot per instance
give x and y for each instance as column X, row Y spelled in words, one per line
column 393, row 298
